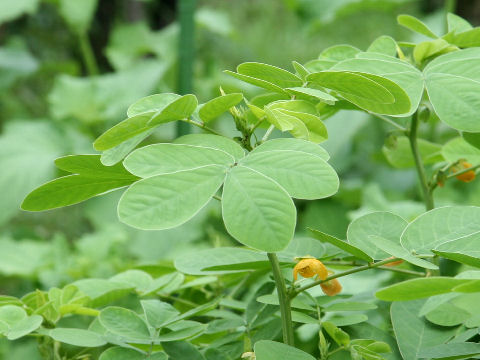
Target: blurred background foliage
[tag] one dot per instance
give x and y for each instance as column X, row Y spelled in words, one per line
column 69, row 69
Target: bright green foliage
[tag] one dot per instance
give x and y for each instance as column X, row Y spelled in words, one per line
column 414, row 24
column 270, row 350
column 77, row 337
column 459, row 149
column 216, row 107
column 399, row 155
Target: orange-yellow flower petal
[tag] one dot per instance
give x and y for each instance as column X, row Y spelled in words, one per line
column 309, row 268
column 466, row 177
column 331, row 287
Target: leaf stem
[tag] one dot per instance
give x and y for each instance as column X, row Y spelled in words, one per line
column 267, row 134
column 203, row 126
column 422, row 177
column 295, row 292
column 386, row 268
column 389, row 121
column 283, row 299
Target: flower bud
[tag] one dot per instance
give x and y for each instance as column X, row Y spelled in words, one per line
column 309, row 268
column 331, row 287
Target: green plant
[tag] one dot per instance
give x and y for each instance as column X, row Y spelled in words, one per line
column 402, row 84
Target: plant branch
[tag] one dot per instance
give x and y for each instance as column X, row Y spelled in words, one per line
column 203, row 126
column 389, row 121
column 283, row 299
column 295, row 292
column 386, row 268
column 267, row 134
column 412, row 137
column 473, row 168
column 87, row 54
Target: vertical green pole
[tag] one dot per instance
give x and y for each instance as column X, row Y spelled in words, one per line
column 186, row 53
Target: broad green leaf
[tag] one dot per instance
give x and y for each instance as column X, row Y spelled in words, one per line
column 78, row 14
column 137, row 279
column 101, row 290
column 349, row 306
column 341, row 245
column 271, row 350
column 24, row 327
column 319, row 94
column 440, row 226
column 27, row 152
column 179, row 109
column 123, row 131
column 338, row 53
column 412, row 332
column 303, row 246
column 11, row 314
column 300, row 70
column 181, row 333
column 453, row 85
column 269, row 73
column 386, row 225
column 302, row 175
column 222, row 259
column 346, row 320
column 451, row 351
column 158, row 312
column 257, row 211
column 182, row 350
column 461, row 256
column 77, row 337
column 124, row 323
column 151, row 104
column 472, row 138
column 384, row 45
column 117, row 153
column 11, row 10
column 370, row 92
column 90, row 166
column 121, row 353
column 337, row 334
column 299, row 145
column 418, row 288
column 447, row 314
column 457, row 149
column 426, row 49
column 158, row 159
column 457, row 24
column 394, row 249
column 400, row 155
column 465, row 39
column 401, row 72
column 213, row 141
column 415, row 25
column 257, row 82
column 199, row 310
column 217, row 106
column 154, row 203
column 69, row 190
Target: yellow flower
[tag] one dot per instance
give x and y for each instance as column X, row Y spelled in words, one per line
column 331, row 287
column 466, row 177
column 309, row 268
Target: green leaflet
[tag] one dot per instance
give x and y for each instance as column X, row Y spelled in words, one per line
column 257, row 211
column 77, row 337
column 457, row 149
column 117, row 153
column 446, row 225
column 385, row 45
column 160, row 159
column 370, row 92
column 384, row 224
column 152, row 103
column 217, row 106
column 69, row 190
column 415, row 25
column 453, row 85
column 91, row 166
column 302, row 175
column 270, row 73
column 153, row 203
column 179, row 109
column 299, row 145
column 213, row 141
column 124, row 323
column 271, row 350
column 400, row 156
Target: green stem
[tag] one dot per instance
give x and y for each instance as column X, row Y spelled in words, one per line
column 412, row 137
column 203, row 126
column 267, row 134
column 186, row 53
column 389, row 121
column 295, row 292
column 87, row 54
column 283, row 299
